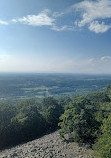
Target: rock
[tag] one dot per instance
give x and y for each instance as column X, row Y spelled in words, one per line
column 34, row 150
column 81, row 156
column 49, row 146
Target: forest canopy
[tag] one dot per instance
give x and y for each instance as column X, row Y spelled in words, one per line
column 88, row 120
column 85, row 119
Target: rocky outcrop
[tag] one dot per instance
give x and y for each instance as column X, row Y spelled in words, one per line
column 48, row 146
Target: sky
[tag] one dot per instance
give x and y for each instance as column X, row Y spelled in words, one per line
column 62, row 36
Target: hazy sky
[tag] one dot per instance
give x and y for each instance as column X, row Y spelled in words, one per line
column 55, row 36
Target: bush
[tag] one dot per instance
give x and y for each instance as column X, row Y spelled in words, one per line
column 78, row 120
column 27, row 120
column 103, row 144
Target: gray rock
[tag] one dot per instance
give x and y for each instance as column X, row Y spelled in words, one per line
column 49, row 146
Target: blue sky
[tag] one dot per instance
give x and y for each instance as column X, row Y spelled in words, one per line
column 55, row 36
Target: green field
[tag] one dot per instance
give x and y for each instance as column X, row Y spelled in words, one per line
column 16, row 87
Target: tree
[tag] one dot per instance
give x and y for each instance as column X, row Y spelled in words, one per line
column 103, row 144
column 78, row 119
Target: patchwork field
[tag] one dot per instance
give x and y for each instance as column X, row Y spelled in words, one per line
column 16, row 87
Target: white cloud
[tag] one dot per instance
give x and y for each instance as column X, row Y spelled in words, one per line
column 42, row 19
column 98, row 27
column 92, row 65
column 101, row 60
column 63, row 28
column 58, row 14
column 27, row 64
column 14, row 20
column 3, row 22
column 92, row 12
column 105, row 58
column 97, row 65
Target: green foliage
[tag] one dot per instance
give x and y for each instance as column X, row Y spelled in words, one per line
column 84, row 119
column 98, row 97
column 30, row 122
column 78, row 120
column 103, row 144
column 51, row 112
column 7, row 112
column 88, row 119
column 108, row 88
column 27, row 120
